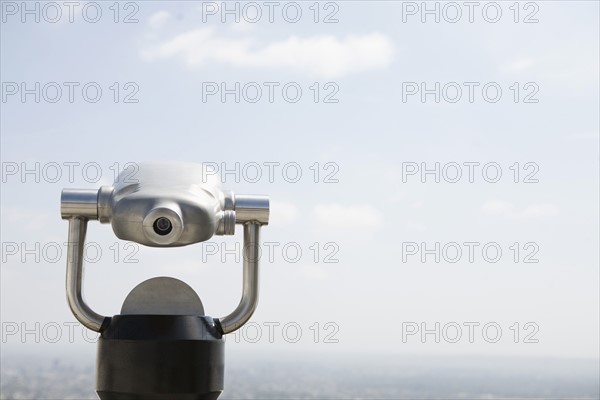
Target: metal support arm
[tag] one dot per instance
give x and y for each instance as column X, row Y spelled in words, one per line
column 78, row 206
column 80, row 309
column 249, row 300
column 252, row 211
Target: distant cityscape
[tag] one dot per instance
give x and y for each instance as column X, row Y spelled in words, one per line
column 344, row 378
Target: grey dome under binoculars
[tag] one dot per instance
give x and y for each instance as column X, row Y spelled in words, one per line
column 162, row 345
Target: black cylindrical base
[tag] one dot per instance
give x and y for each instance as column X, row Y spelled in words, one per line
column 160, row 357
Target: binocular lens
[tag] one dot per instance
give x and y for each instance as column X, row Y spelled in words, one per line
column 162, row 226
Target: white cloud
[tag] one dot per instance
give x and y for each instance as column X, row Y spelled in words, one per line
column 565, row 63
column 497, row 207
column 507, row 210
column 243, row 26
column 283, row 213
column 158, row 19
column 356, row 218
column 539, row 211
column 323, row 55
column 520, row 65
column 314, row 272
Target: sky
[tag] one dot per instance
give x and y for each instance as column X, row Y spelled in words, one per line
column 431, row 167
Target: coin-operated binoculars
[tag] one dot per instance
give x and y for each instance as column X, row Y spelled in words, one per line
column 162, row 345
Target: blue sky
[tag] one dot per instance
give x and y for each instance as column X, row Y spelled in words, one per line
column 366, row 61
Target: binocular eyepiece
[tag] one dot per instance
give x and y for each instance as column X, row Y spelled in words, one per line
column 162, row 226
